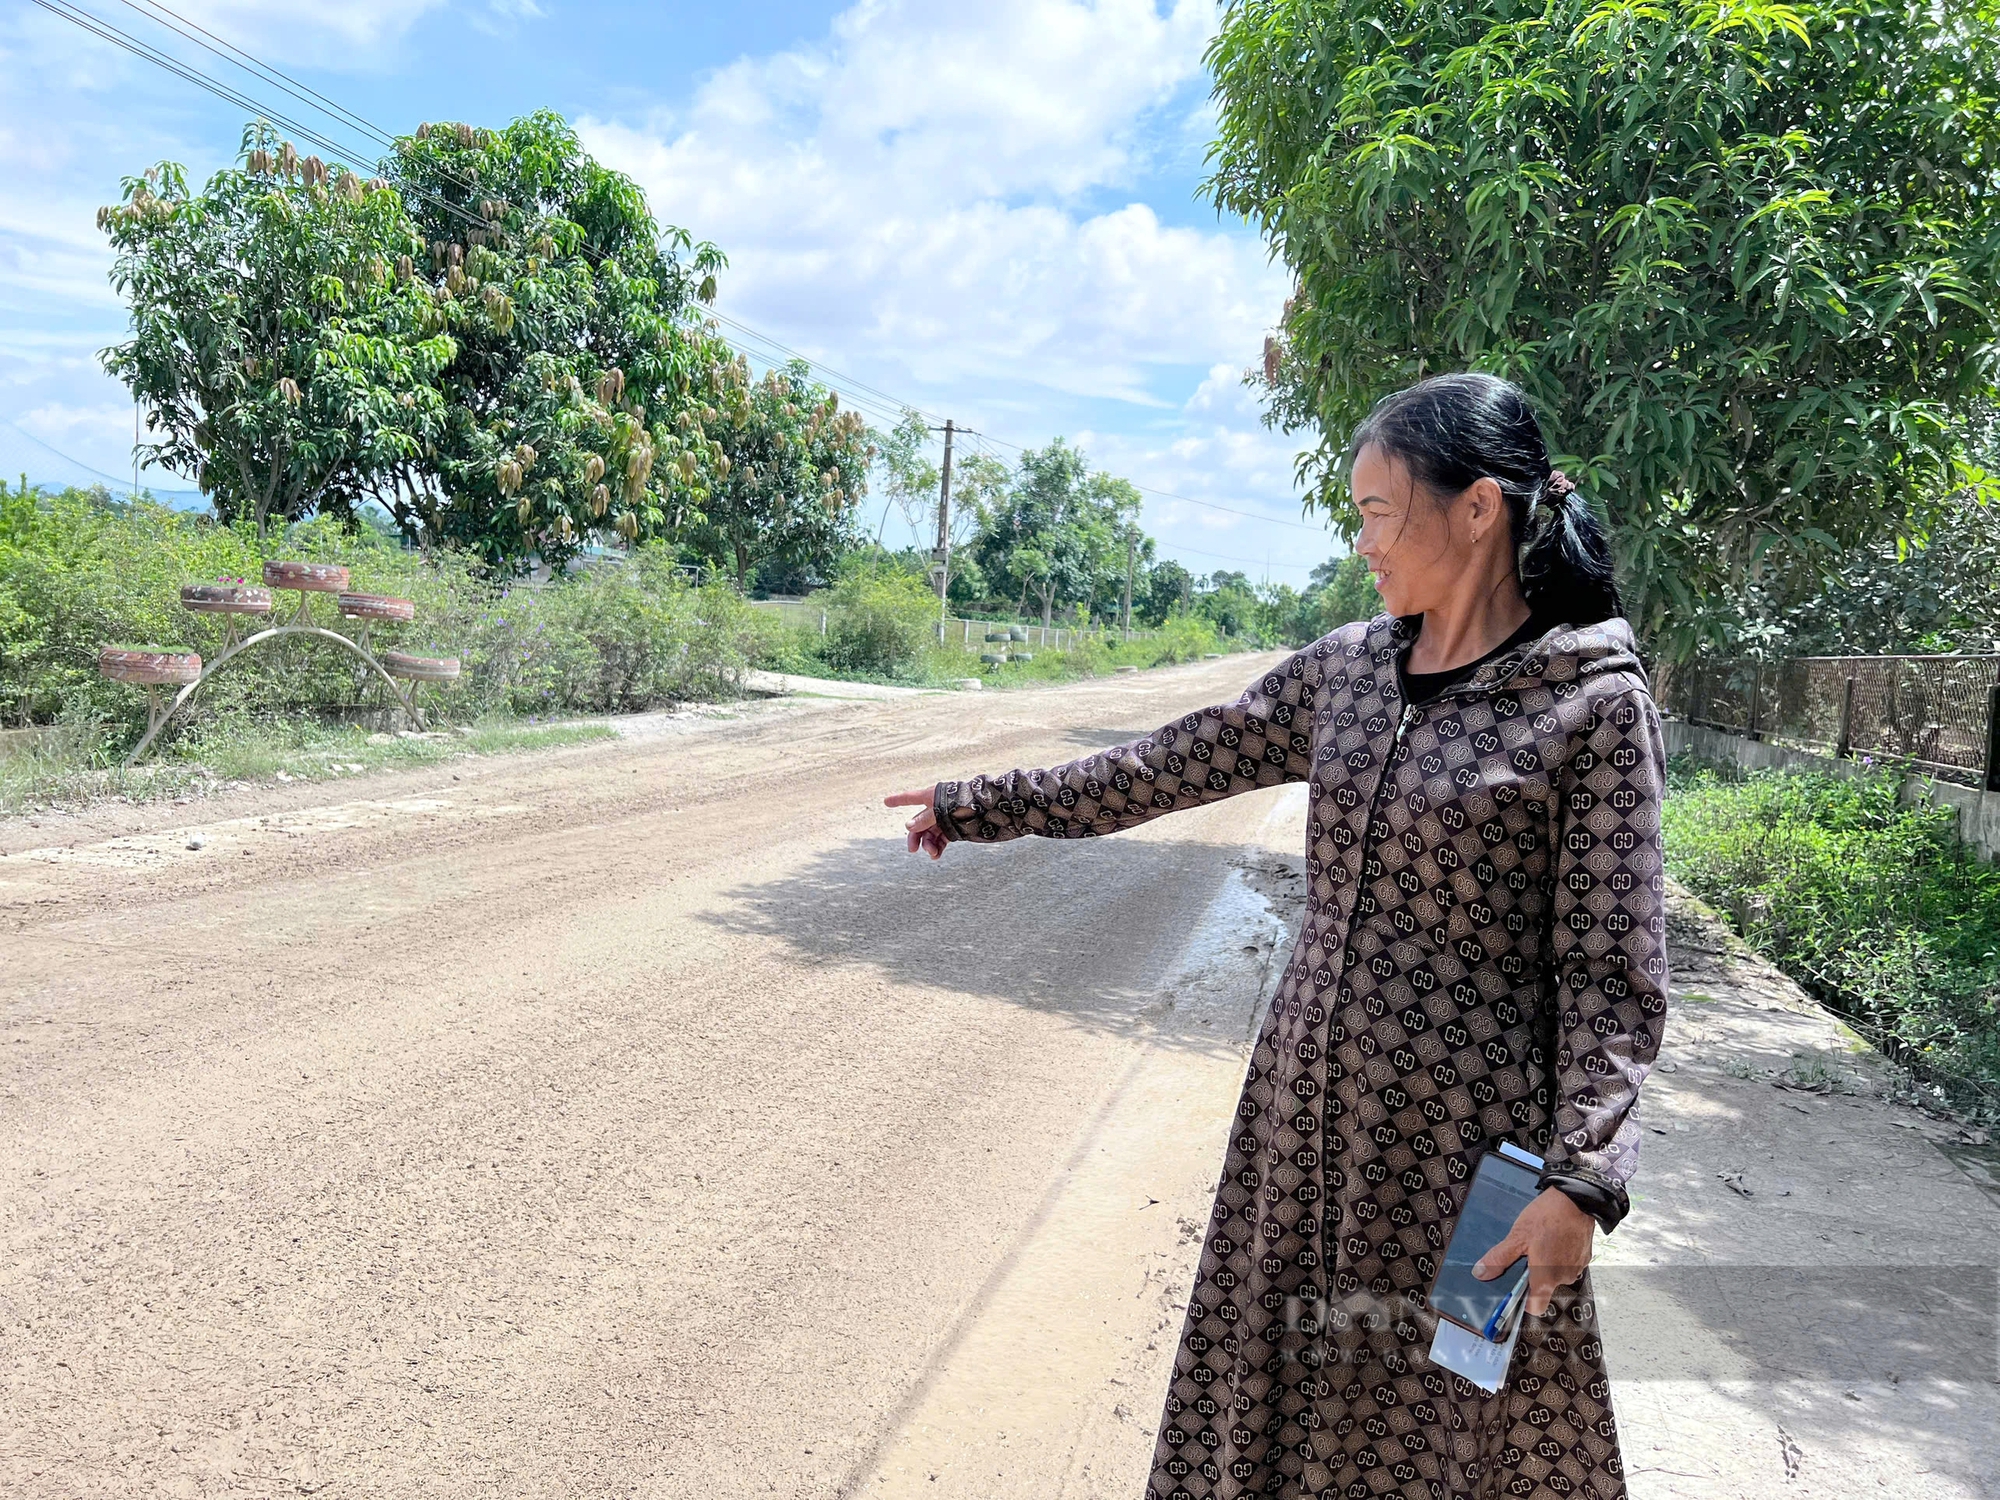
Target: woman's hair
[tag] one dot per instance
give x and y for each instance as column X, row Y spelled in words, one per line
column 1453, row 429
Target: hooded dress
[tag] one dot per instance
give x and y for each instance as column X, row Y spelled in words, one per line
column 1483, row 959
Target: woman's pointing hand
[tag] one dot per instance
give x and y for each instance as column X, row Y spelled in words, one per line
column 923, row 831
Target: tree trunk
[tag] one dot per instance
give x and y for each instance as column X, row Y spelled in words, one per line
column 742, row 567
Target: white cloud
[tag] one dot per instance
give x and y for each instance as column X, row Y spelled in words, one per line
column 932, row 193
column 1219, row 451
column 275, row 29
column 95, row 427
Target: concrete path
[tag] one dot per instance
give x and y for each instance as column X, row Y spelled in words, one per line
column 1804, row 1298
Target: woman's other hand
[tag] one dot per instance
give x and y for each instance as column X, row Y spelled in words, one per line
column 923, row 831
column 1555, row 1236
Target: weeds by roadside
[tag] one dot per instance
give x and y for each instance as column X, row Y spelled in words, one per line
column 881, row 626
column 1877, row 909
column 79, row 571
column 75, row 764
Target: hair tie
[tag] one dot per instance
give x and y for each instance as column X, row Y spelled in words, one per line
column 1559, row 486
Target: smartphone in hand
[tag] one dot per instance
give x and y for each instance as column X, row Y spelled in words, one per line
column 1504, row 1183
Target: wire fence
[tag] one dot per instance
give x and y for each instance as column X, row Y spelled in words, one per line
column 971, row 635
column 1937, row 714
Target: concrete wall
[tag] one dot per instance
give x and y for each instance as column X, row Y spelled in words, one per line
column 1978, row 812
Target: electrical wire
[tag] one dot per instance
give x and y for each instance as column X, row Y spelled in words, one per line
column 878, row 402
column 124, row 480
column 208, row 41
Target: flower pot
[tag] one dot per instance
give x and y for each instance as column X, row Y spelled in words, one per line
column 306, row 577
column 420, row 668
column 225, row 599
column 149, row 668
column 377, row 607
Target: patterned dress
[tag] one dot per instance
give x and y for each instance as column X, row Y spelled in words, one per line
column 1483, row 958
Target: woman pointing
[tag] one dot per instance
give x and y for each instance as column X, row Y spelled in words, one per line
column 1483, row 959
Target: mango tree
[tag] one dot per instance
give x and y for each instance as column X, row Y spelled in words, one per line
column 783, row 491
column 282, row 348
column 1742, row 256
column 584, row 382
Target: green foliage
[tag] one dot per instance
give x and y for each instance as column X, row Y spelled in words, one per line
column 1278, row 614
column 910, row 481
column 1877, row 908
column 610, row 640
column 583, row 384
column 792, row 469
column 1342, row 590
column 1231, row 603
column 79, row 570
column 1057, row 535
column 1182, row 638
column 284, row 363
column 1741, row 256
column 880, row 620
column 881, row 626
column 1165, row 590
column 1936, row 594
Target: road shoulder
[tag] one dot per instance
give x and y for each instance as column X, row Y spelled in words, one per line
column 1803, row 1299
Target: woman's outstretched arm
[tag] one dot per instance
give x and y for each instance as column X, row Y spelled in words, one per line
column 1264, row 738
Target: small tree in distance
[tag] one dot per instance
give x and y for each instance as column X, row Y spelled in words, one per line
column 793, row 469
column 1058, row 531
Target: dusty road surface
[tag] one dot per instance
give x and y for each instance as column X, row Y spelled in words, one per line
column 640, row 1120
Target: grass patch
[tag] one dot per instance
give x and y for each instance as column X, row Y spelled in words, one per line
column 1877, row 909
column 76, row 764
column 881, row 626
column 1813, row 1074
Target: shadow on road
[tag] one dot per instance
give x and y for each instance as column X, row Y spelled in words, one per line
column 1087, row 929
column 1848, row 1324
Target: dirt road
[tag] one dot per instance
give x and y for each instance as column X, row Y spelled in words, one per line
column 639, row 1120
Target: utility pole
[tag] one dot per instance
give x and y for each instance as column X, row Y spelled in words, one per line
column 941, row 558
column 1131, row 558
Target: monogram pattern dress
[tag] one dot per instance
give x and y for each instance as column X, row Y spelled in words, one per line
column 1483, row 958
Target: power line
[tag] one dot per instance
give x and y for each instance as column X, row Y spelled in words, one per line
column 893, row 403
column 884, row 406
column 310, row 97
column 117, row 479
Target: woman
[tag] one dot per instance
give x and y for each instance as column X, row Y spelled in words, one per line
column 1483, row 958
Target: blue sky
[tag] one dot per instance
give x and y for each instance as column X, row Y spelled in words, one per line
column 987, row 210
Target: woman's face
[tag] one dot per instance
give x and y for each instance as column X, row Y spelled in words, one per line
column 1416, row 548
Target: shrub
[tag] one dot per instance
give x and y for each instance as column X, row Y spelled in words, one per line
column 1876, row 908
column 608, row 641
column 880, row 620
column 79, row 570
